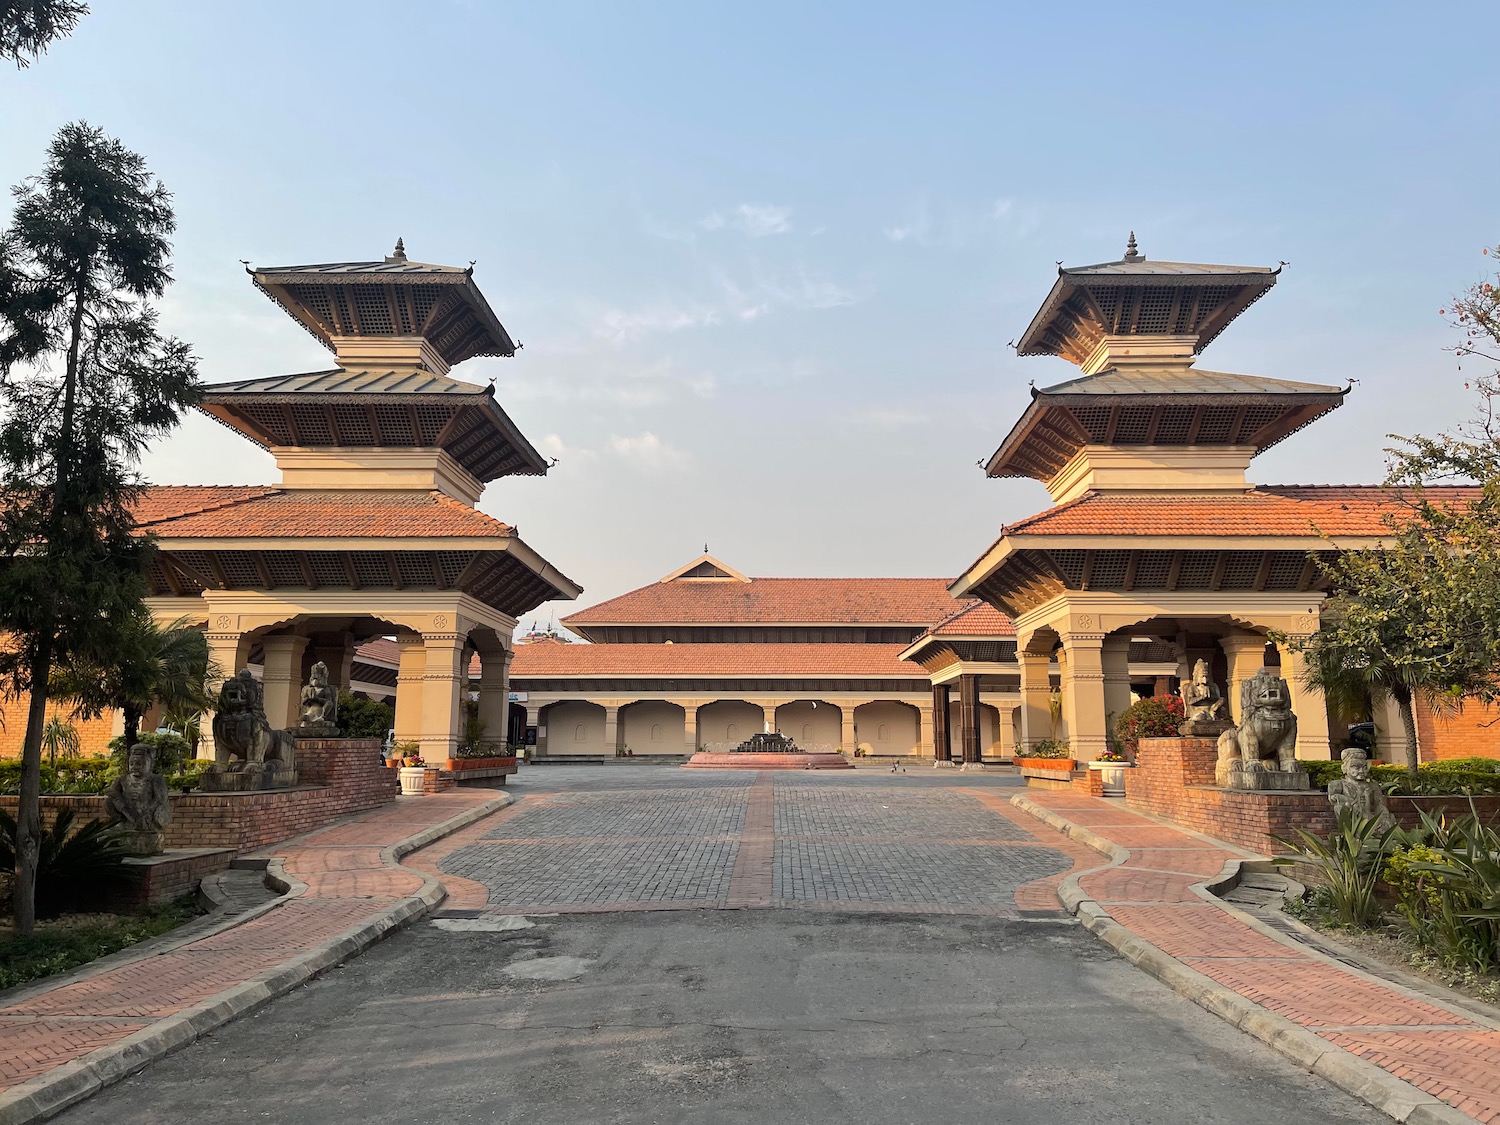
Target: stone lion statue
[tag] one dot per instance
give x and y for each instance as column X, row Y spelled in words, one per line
column 243, row 739
column 1266, row 738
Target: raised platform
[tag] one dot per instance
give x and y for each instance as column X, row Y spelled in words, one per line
column 161, row 878
column 748, row 760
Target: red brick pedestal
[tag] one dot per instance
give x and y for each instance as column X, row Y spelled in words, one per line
column 1174, row 778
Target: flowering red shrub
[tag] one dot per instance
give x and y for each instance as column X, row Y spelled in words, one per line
column 1158, row 717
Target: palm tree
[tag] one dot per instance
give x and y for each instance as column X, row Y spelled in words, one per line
column 59, row 734
column 148, row 664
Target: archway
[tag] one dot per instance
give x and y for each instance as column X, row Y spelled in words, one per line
column 725, row 723
column 652, row 726
column 887, row 727
column 572, row 727
column 811, row 723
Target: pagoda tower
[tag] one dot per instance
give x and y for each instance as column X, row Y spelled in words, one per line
column 1156, row 530
column 373, row 528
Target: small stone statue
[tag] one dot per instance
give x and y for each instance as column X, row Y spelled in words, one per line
column 320, row 703
column 1261, row 753
column 1203, row 705
column 1356, row 793
column 138, row 800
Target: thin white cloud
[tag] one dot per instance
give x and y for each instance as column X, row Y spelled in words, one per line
column 757, row 220
column 620, row 326
column 649, row 452
column 887, row 419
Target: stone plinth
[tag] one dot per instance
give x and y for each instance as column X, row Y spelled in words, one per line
column 736, row 760
column 1243, row 775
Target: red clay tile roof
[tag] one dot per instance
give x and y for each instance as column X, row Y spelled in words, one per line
column 1350, row 510
column 278, row 513
column 974, row 619
column 782, row 661
column 380, row 650
column 168, row 501
column 824, row 601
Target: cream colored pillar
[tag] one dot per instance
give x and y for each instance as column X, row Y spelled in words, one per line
column 1083, row 694
column 1310, row 708
column 1116, row 664
column 281, row 682
column 689, row 728
column 768, row 709
column 1036, row 690
column 409, row 675
column 442, row 687
column 1245, row 655
column 227, row 652
column 925, row 729
column 1007, row 731
column 494, row 696
column 611, row 728
column 847, row 734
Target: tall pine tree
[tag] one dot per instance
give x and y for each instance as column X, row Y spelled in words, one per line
column 86, row 381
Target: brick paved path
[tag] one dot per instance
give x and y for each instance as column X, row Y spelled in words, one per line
column 766, row 839
column 42, row 1027
column 1442, row 1051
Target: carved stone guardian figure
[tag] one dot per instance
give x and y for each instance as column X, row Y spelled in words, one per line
column 1261, row 753
column 1203, row 706
column 248, row 754
column 138, row 800
column 320, row 705
column 1356, row 793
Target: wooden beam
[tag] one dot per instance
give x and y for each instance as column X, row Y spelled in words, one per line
column 394, row 568
column 1114, row 422
column 437, row 572
column 349, row 571
column 332, row 423
column 1174, row 570
column 261, row 569
column 1263, row 575
column 1199, row 413
column 1239, row 422
column 1135, row 558
column 1219, row 565
column 374, row 420
column 291, row 424
column 1088, row 571
column 1309, row 572
column 219, row 578
column 1154, row 424
column 167, row 576
column 305, row 567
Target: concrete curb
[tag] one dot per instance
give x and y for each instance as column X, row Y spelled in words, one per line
column 1366, row 1081
column 51, row 1093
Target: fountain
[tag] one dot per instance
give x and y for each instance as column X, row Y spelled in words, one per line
column 767, row 750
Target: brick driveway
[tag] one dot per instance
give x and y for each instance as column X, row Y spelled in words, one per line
column 662, row 840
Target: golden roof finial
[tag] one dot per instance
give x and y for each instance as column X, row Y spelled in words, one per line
column 399, row 253
column 1131, row 253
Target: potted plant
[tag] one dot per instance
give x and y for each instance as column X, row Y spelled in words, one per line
column 1048, row 754
column 1157, row 717
column 413, row 770
column 1111, row 766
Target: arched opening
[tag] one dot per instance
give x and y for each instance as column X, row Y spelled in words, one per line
column 652, row 726
column 811, row 723
column 572, row 727
column 725, row 723
column 887, row 727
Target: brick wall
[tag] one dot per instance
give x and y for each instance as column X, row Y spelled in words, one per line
column 346, row 776
column 93, row 734
column 1462, row 735
column 1173, row 778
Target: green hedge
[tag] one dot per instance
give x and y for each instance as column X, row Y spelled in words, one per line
column 83, row 776
column 1446, row 777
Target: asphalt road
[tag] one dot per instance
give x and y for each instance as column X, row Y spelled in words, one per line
column 784, row 1015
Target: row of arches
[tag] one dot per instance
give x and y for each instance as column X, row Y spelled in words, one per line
column 658, row 726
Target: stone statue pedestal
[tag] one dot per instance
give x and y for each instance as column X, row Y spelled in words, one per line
column 318, row 730
column 142, row 842
column 1250, row 776
column 248, row 779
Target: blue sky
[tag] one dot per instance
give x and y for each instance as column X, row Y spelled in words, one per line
column 766, row 259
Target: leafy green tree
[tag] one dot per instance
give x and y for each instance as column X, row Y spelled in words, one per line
column 60, row 737
column 147, row 664
column 87, row 382
column 28, row 26
column 1420, row 618
column 364, row 718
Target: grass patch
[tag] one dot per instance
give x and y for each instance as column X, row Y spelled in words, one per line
column 65, row 944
